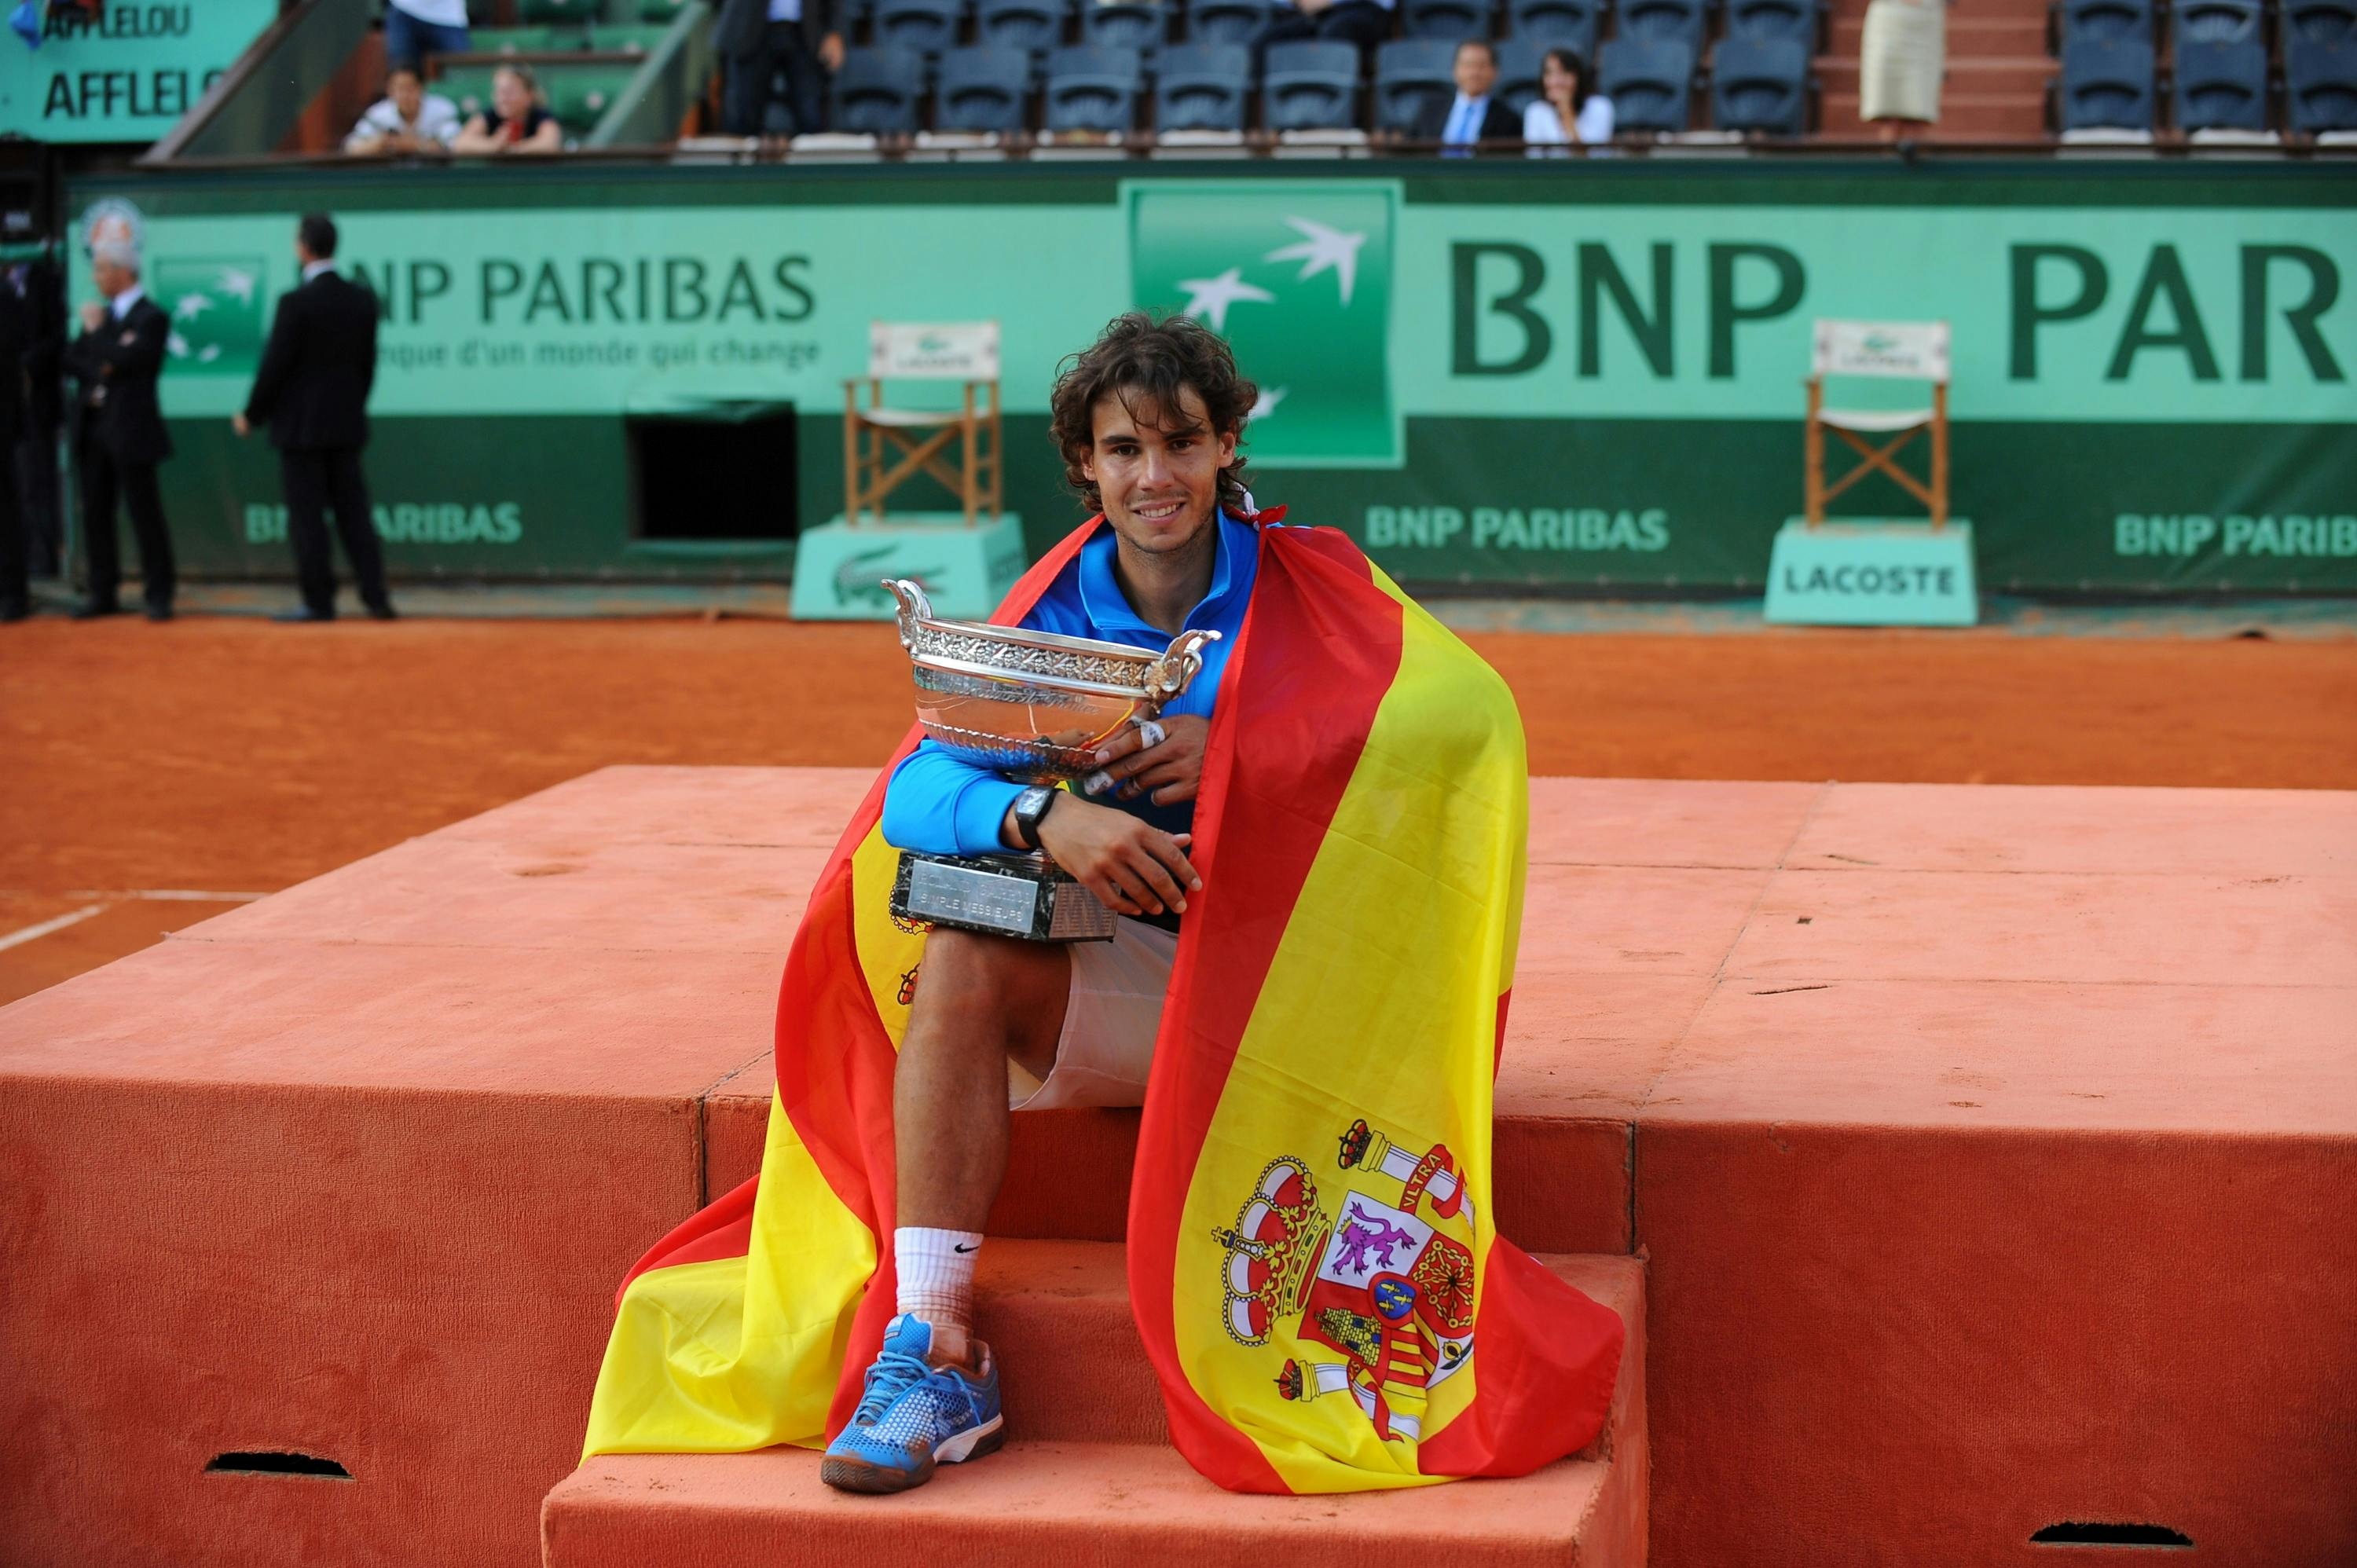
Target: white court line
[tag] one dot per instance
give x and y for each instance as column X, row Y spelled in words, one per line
column 171, row 895
column 35, row 933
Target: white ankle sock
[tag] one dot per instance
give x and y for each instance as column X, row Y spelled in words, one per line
column 936, row 1270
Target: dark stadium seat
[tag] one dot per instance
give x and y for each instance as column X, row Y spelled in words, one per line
column 2220, row 86
column 876, row 91
column 853, row 17
column 1202, row 86
column 1092, row 87
column 1759, row 84
column 2216, row 21
column 1139, row 24
column 2105, row 22
column 466, row 86
column 1520, row 61
column 1229, row 21
column 1450, row 20
column 1651, row 84
column 1792, row 19
column 2321, row 84
column 522, row 41
column 1410, row 73
column 2106, row 86
column 1310, row 87
column 625, row 38
column 1665, row 21
column 926, row 28
column 1033, row 26
column 2319, row 21
column 579, row 95
column 1573, row 24
column 981, row 87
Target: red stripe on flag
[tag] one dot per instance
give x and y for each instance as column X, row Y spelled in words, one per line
column 1320, row 647
column 1548, row 1359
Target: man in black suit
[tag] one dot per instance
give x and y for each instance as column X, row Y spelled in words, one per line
column 16, row 330
column 1475, row 113
column 312, row 391
column 118, row 430
column 761, row 37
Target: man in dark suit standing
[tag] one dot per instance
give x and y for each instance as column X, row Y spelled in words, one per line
column 1474, row 113
column 312, row 391
column 118, row 430
column 761, row 37
column 16, row 332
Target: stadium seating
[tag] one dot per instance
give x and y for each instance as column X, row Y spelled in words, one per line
column 522, row 40
column 1310, row 87
column 2319, row 21
column 1449, row 19
column 1651, row 84
column 1665, row 21
column 1033, row 26
column 854, row 17
column 2216, row 21
column 1202, row 86
column 1409, row 73
column 1760, row 84
column 1520, row 61
column 1794, row 19
column 1229, row 21
column 1140, row 25
column 663, row 11
column 2105, row 21
column 2106, row 85
column 579, row 95
column 983, row 87
column 2321, row 84
column 875, row 91
column 623, row 38
column 2220, row 86
column 1573, row 24
column 466, row 86
column 925, row 27
column 1092, row 87
column 557, row 10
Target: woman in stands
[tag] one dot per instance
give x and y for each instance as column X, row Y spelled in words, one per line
column 1564, row 112
column 517, row 121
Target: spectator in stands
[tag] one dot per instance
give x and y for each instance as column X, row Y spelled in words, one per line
column 517, row 121
column 407, row 119
column 119, row 434
column 1365, row 23
column 1565, row 113
column 1903, row 55
column 761, row 39
column 416, row 28
column 1473, row 113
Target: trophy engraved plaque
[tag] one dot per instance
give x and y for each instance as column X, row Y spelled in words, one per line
column 1033, row 706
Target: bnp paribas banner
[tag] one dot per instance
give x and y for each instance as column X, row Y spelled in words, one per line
column 1507, row 376
column 116, row 70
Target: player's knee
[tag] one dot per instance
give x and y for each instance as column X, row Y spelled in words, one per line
column 977, row 976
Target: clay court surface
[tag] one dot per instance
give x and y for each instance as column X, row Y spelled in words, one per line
column 228, row 756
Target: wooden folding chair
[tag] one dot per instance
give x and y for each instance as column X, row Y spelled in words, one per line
column 1914, row 351
column 881, row 448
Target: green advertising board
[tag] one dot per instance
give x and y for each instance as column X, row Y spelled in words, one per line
column 121, row 71
column 1501, row 376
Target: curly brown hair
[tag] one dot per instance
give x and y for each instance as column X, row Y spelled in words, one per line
column 1143, row 360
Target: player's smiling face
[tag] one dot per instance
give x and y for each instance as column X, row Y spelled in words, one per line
column 1157, row 470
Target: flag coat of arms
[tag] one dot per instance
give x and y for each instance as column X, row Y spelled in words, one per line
column 1313, row 1262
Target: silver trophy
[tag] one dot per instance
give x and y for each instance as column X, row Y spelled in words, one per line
column 1033, row 706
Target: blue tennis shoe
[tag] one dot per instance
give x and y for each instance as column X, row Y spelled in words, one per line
column 914, row 1415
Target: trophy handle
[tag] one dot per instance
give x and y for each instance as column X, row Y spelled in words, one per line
column 914, row 608
column 1169, row 675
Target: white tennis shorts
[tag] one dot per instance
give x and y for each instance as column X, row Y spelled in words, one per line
column 1110, row 1021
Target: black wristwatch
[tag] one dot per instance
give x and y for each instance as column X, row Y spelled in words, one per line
column 1029, row 806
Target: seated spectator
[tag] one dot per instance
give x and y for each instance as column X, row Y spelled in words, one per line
column 1565, row 113
column 1365, row 23
column 517, row 121
column 1902, row 56
column 407, row 119
column 416, row 28
column 760, row 40
column 1474, row 115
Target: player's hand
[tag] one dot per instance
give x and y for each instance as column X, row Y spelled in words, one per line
column 1134, row 867
column 1172, row 768
column 830, row 52
column 243, row 425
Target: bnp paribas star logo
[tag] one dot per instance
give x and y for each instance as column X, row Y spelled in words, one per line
column 216, row 310
column 1298, row 277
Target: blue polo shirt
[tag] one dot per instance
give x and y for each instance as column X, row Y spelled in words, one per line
column 936, row 804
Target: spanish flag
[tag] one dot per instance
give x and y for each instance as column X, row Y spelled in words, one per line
column 1313, row 1259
